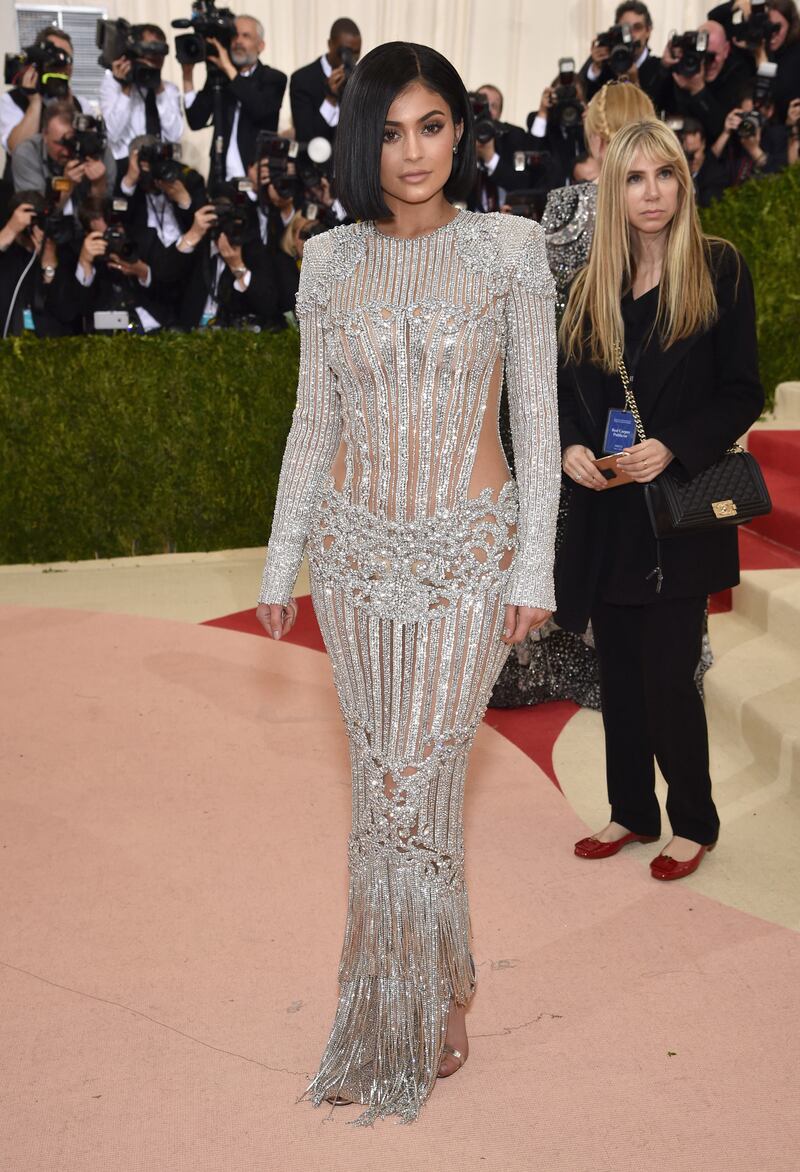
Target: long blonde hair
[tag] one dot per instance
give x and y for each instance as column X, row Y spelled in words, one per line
column 686, row 297
column 616, row 104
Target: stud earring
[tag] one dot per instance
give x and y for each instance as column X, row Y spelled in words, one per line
column 455, row 147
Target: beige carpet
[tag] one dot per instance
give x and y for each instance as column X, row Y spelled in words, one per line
column 174, row 806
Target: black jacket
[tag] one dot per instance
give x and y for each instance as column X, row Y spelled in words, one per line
column 261, row 301
column 698, row 397
column 715, row 101
column 260, row 95
column 308, row 88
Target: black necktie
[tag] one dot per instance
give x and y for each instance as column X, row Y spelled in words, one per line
column 152, row 122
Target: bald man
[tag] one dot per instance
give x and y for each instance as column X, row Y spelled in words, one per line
column 713, row 92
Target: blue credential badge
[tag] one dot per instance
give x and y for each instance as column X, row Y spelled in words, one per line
column 620, row 431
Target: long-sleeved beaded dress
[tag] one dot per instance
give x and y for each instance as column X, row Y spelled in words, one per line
column 403, row 343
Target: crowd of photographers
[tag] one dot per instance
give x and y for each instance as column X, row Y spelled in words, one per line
column 104, row 228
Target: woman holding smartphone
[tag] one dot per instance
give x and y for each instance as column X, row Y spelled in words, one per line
column 673, row 310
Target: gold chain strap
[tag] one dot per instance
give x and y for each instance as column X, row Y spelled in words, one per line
column 630, row 404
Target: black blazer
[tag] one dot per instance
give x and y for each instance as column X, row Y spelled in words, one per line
column 260, row 94
column 308, row 88
column 260, row 300
column 698, row 397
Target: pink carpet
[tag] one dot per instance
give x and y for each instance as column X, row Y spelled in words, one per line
column 175, row 805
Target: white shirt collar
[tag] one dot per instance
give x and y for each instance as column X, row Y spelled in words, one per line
column 645, row 53
column 327, row 68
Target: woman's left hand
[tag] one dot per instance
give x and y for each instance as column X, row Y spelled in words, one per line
column 519, row 620
column 643, row 462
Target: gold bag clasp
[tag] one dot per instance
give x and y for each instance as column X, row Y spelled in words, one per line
column 723, row 509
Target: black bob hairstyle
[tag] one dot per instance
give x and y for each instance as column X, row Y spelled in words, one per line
column 376, row 81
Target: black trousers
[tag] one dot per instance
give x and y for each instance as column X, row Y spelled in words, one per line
column 652, row 710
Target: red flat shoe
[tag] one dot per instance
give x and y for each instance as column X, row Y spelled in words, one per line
column 665, row 867
column 593, row 848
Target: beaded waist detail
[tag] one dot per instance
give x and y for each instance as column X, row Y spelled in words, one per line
column 409, row 570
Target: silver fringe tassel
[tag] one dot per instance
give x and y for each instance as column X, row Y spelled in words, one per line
column 405, row 954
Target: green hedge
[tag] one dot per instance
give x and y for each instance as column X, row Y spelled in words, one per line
column 130, row 445
column 762, row 218
column 133, row 445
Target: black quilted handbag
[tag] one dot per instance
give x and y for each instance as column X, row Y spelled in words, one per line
column 729, row 492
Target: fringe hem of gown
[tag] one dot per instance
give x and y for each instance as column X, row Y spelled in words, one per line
column 406, row 952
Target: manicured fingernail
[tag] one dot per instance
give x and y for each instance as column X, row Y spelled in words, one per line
column 506, row 632
column 276, row 633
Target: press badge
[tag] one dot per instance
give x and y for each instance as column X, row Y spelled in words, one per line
column 620, row 431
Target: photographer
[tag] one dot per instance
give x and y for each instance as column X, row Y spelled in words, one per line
column 750, row 143
column 62, row 151
column 315, row 90
column 708, row 174
column 251, row 96
column 776, row 39
column 229, row 277
column 28, row 271
column 120, row 266
column 560, row 136
column 706, row 89
column 162, row 193
column 134, row 100
column 22, row 107
column 644, row 69
column 497, row 171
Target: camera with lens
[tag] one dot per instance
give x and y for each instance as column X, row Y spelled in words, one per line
column 50, row 63
column 116, row 234
column 88, row 140
column 763, row 86
column 623, row 50
column 348, row 60
column 206, row 21
column 49, row 216
column 756, row 29
column 486, row 128
column 232, row 206
column 118, row 38
column 308, row 161
column 162, row 159
column 692, row 51
column 567, row 108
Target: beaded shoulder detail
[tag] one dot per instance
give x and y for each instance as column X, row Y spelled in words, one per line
column 505, row 246
column 328, row 258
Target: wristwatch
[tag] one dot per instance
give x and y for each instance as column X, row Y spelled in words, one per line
column 240, row 272
column 48, row 271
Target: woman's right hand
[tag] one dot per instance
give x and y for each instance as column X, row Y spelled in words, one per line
column 277, row 620
column 578, row 463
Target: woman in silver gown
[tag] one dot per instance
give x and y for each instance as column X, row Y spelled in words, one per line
column 552, row 664
column 427, row 559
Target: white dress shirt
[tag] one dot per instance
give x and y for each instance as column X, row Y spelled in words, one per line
column 329, row 110
column 124, row 114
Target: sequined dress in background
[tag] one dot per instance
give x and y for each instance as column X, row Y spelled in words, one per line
column 403, row 346
column 552, row 664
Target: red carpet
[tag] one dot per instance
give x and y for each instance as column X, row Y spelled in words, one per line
column 778, row 453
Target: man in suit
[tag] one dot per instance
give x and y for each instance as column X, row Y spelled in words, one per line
column 497, row 174
column 251, row 97
column 316, row 89
column 646, row 71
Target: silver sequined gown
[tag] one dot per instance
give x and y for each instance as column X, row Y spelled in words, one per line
column 403, row 345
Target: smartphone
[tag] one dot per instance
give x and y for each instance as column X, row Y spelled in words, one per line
column 111, row 319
